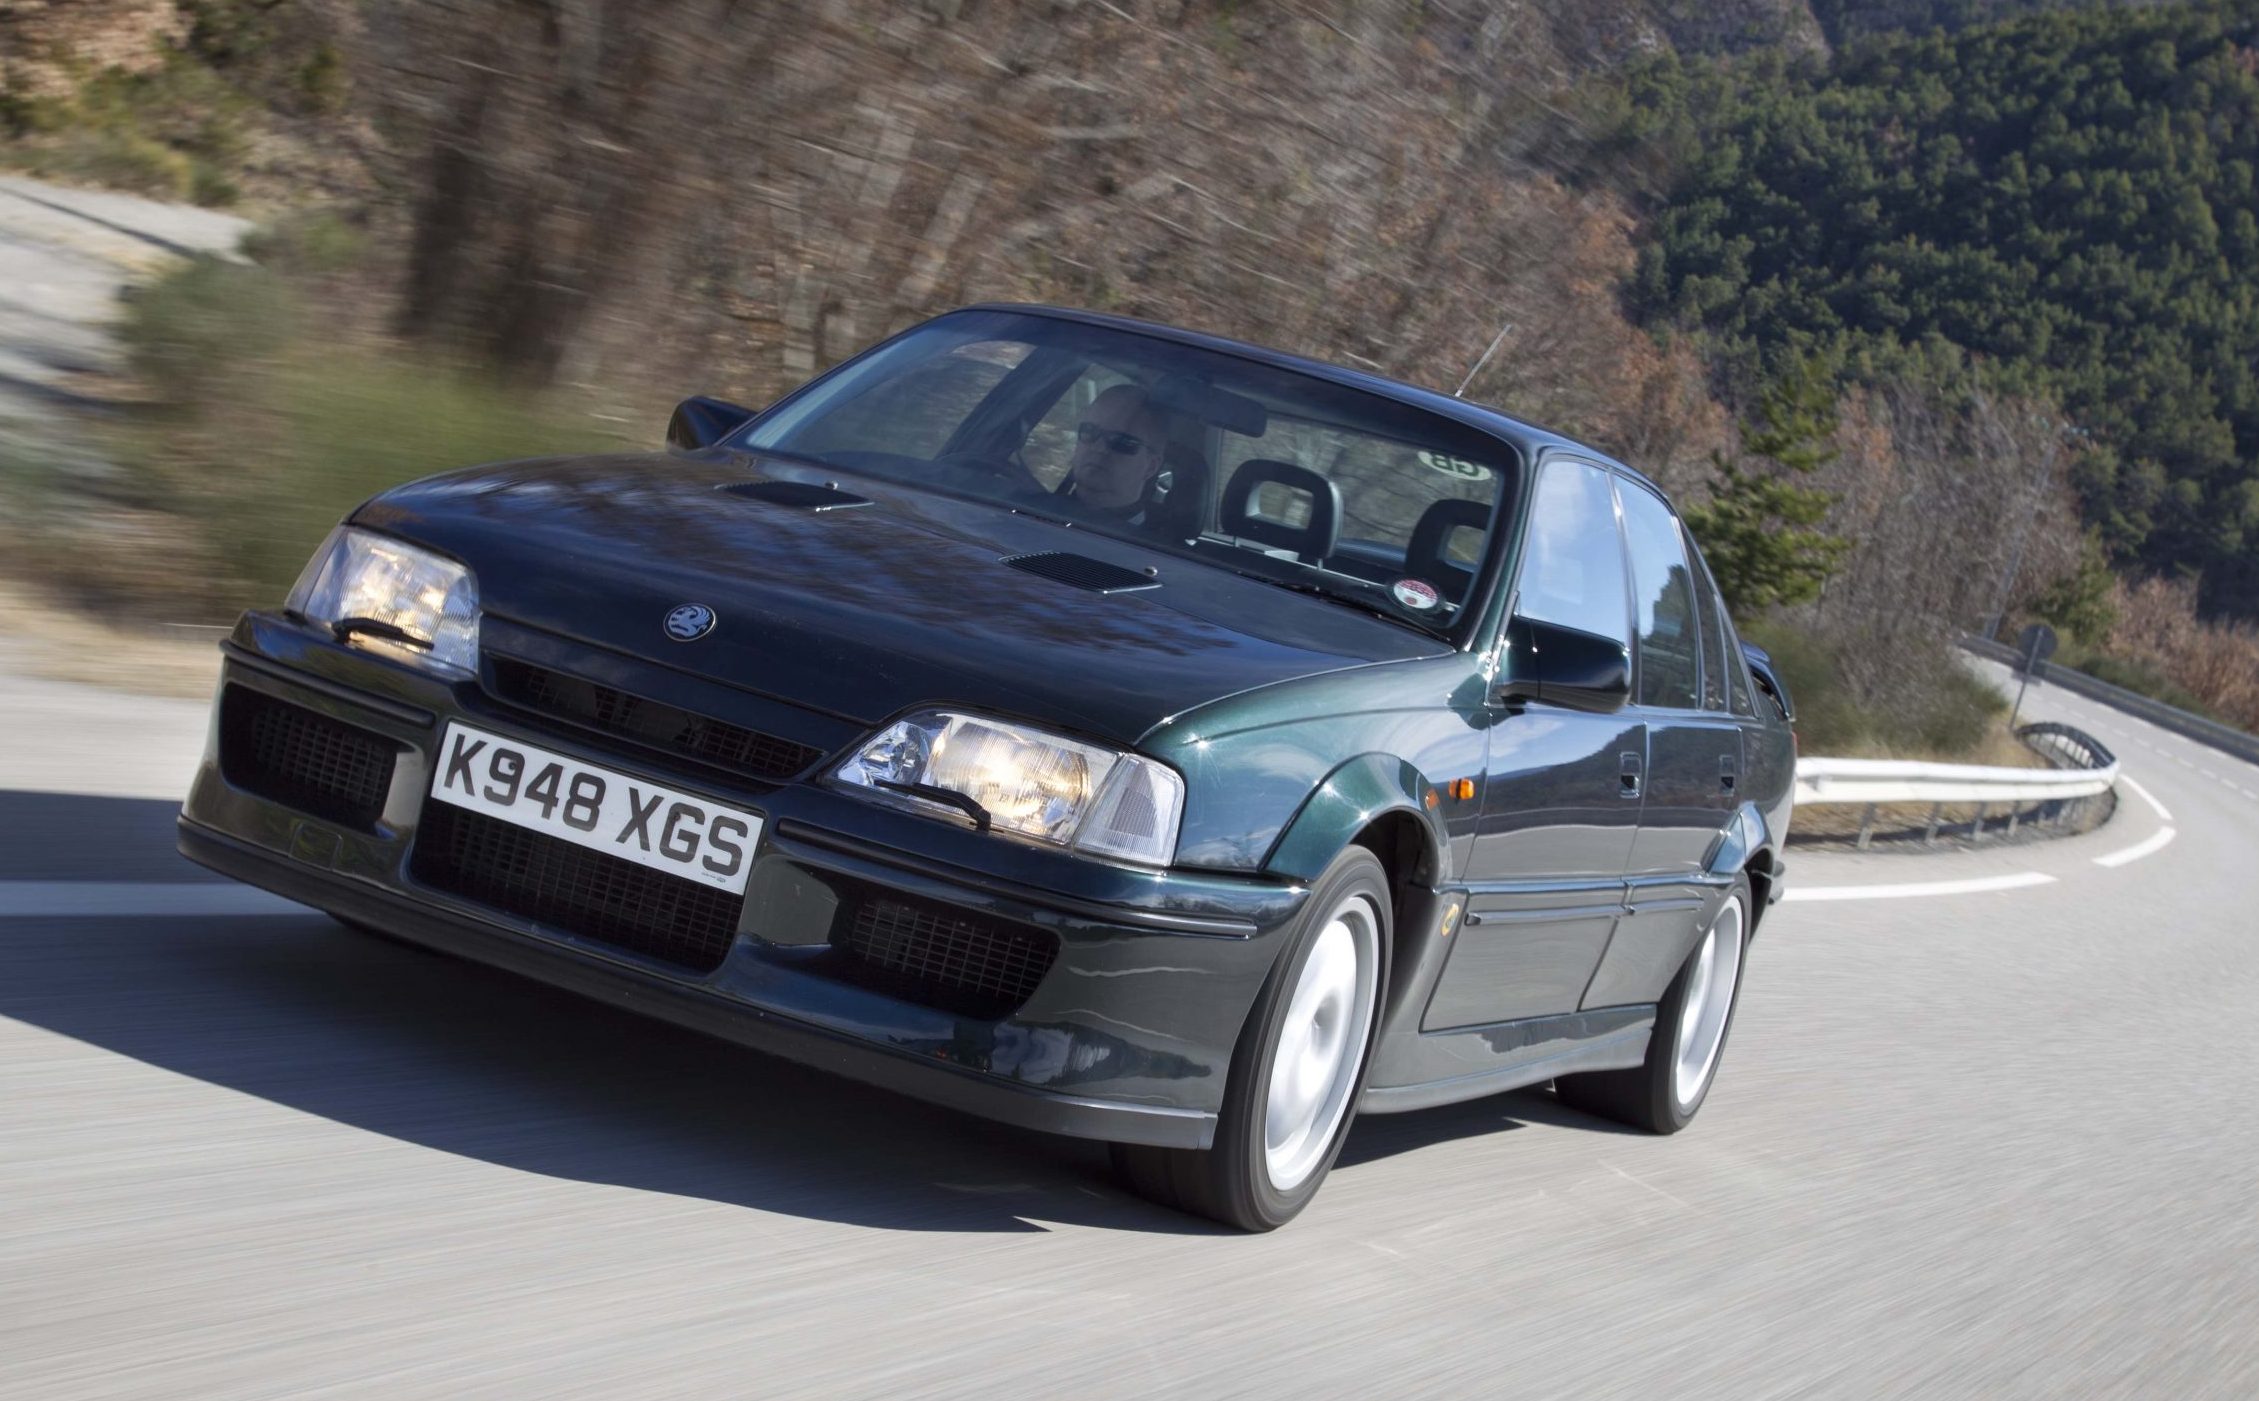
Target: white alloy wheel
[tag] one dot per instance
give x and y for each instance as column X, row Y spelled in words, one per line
column 1321, row 1046
column 1709, row 1002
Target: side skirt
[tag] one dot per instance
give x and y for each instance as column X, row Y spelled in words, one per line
column 1446, row 1067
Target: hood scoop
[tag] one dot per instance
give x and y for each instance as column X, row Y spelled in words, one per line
column 805, row 496
column 1083, row 572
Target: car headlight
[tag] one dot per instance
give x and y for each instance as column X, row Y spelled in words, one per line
column 379, row 593
column 1028, row 781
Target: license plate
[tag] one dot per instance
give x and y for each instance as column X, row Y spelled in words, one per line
column 631, row 818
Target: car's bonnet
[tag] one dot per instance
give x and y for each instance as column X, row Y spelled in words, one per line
column 863, row 611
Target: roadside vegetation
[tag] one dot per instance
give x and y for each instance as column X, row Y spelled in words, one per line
column 264, row 410
column 2067, row 197
column 2157, row 645
column 1990, row 267
column 1934, row 318
column 216, row 100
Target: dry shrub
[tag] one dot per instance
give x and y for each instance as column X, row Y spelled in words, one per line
column 2218, row 663
column 1957, row 504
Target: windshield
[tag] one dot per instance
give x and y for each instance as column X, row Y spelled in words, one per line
column 1286, row 477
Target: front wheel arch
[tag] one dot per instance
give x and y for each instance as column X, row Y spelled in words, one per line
column 1372, row 792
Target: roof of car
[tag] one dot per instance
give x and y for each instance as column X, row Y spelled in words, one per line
column 1528, row 438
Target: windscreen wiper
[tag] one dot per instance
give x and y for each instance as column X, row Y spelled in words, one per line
column 1346, row 601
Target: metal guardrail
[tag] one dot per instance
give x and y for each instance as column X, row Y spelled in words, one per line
column 2083, row 769
column 1889, row 781
column 2225, row 738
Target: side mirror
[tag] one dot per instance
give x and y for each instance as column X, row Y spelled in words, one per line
column 702, row 422
column 1768, row 679
column 1565, row 667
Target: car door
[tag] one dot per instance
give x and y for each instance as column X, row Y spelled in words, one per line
column 1693, row 754
column 1561, row 794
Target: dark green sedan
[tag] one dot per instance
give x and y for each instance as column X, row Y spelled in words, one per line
column 1100, row 727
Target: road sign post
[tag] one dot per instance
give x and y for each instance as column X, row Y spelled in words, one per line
column 2035, row 644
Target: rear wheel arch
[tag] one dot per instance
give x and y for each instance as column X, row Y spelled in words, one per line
column 1748, row 850
column 1761, row 870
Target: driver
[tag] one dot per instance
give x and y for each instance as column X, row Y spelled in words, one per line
column 1118, row 447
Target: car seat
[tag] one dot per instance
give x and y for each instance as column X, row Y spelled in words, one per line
column 1313, row 540
column 1426, row 554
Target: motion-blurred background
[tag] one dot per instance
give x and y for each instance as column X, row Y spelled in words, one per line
column 1942, row 315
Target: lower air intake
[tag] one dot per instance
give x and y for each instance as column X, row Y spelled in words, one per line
column 303, row 759
column 939, row 957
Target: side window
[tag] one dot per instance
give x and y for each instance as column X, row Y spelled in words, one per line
column 1670, row 665
column 1715, row 664
column 1739, row 687
column 915, row 414
column 1737, row 674
column 1573, row 566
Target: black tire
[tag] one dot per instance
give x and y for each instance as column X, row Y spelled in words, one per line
column 1231, row 1181
column 1646, row 1095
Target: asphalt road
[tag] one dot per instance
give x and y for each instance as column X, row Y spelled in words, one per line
column 65, row 255
column 1992, row 1144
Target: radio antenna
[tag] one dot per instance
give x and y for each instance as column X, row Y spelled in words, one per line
column 1495, row 341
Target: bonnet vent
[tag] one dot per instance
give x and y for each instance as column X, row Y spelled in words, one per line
column 1083, row 572
column 807, row 496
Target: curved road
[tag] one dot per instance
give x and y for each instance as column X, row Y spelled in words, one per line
column 1982, row 1144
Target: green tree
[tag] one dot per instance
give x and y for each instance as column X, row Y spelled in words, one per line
column 2065, row 192
column 1761, row 528
column 2080, row 602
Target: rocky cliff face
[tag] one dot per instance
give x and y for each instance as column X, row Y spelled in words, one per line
column 738, row 196
column 730, row 196
column 47, row 45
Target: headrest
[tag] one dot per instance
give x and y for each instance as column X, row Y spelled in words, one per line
column 1426, row 555
column 1314, row 539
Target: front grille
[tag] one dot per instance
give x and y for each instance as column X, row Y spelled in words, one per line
column 1083, row 572
column 649, row 722
column 939, row 957
column 303, row 759
column 569, row 887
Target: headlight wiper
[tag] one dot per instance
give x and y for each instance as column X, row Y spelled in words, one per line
column 344, row 630
column 948, row 797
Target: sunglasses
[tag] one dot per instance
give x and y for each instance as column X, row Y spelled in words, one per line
column 1121, row 444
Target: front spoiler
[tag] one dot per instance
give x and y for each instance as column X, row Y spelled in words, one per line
column 764, row 1030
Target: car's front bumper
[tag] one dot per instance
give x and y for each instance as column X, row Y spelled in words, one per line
column 1128, row 1036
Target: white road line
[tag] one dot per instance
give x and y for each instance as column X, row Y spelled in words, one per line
column 1908, row 889
column 2153, row 842
column 129, row 900
column 2146, row 796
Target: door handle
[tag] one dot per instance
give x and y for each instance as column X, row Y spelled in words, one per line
column 1727, row 767
column 1627, row 779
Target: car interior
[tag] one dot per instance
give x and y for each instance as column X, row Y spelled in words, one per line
column 1307, row 495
